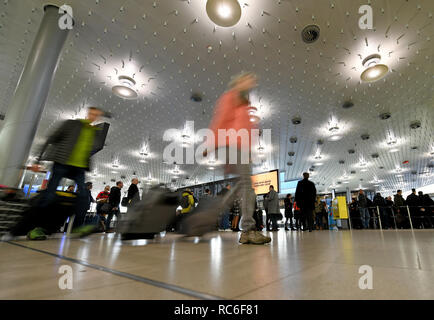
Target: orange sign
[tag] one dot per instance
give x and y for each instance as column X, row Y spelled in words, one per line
column 261, row 182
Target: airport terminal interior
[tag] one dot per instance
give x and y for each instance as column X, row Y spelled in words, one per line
column 338, row 95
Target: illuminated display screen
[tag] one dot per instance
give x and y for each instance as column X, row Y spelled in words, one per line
column 261, row 182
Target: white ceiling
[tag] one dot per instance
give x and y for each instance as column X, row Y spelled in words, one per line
column 165, row 44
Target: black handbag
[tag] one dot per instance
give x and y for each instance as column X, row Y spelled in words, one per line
column 125, row 202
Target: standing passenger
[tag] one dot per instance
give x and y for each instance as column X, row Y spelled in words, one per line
column 305, row 196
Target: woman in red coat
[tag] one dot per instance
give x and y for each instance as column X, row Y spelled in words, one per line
column 231, row 112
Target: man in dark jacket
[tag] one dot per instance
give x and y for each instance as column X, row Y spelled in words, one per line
column 114, row 201
column 380, row 202
column 363, row 209
column 400, row 210
column 133, row 192
column 273, row 208
column 305, row 196
column 70, row 147
column 413, row 203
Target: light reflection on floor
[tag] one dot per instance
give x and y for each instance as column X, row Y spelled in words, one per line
column 296, row 265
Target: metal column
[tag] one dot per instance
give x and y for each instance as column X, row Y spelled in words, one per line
column 24, row 112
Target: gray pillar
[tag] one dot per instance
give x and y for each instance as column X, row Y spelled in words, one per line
column 24, row 112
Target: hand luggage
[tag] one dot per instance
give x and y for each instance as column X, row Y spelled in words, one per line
column 50, row 218
column 149, row 216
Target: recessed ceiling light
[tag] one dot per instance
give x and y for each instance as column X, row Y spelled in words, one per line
column 364, row 170
column 125, row 88
column 393, row 150
column 335, row 137
column 374, row 71
column 319, row 163
column 224, row 13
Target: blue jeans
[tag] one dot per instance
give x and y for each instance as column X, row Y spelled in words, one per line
column 61, row 171
column 364, row 215
column 224, row 221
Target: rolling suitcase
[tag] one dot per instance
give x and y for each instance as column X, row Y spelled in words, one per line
column 150, row 216
column 50, row 218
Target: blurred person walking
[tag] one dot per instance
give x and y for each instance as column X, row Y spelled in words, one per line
column 232, row 112
column 70, row 147
column 305, row 196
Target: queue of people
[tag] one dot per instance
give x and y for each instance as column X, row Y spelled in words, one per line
column 416, row 211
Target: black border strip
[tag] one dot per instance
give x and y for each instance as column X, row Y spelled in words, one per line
column 155, row 283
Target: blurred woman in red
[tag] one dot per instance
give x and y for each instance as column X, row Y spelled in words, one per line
column 231, row 112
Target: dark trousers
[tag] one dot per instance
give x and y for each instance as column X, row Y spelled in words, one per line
column 273, row 219
column 291, row 224
column 59, row 172
column 307, row 218
column 110, row 217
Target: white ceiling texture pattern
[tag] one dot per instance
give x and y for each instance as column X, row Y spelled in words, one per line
column 172, row 49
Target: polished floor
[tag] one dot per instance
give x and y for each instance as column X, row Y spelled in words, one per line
column 317, row 265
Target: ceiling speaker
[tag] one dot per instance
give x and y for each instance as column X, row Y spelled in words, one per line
column 296, row 120
column 415, row 124
column 293, row 139
column 364, row 136
column 385, row 116
column 196, row 97
column 310, row 33
column 351, row 151
column 291, row 153
column 347, row 105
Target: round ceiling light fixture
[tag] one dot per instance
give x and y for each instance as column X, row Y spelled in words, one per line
column 224, row 13
column 335, row 137
column 374, row 70
column 125, row 89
